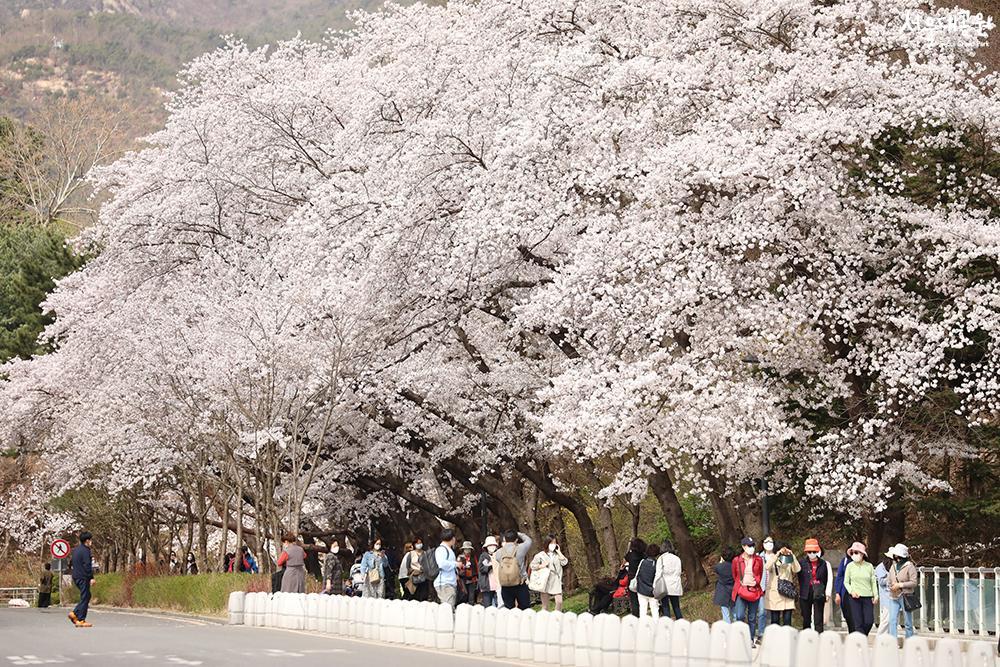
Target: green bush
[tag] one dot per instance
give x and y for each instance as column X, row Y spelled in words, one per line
column 198, row 594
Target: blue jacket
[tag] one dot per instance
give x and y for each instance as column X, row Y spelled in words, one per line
column 838, row 582
column 368, row 562
column 81, row 563
column 447, row 574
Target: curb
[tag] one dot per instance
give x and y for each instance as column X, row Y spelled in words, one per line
column 166, row 613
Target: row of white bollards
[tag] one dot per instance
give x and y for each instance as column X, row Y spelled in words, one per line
column 571, row 640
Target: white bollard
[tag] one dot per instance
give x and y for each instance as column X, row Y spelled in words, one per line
column 662, row 642
column 366, row 617
column 250, row 609
column 581, row 640
column 680, row 641
column 411, row 630
column 700, row 644
column 525, row 633
column 831, row 650
column 398, row 633
column 552, row 635
column 719, row 641
column 271, row 610
column 778, row 647
column 300, row 613
column 513, row 643
column 567, row 640
column 948, row 652
column 476, row 614
column 357, row 618
column 856, row 650
column 980, row 654
column 807, row 647
column 916, row 651
column 430, row 624
column 886, row 652
column 645, row 636
column 237, row 602
column 503, row 615
column 444, row 628
column 462, row 615
column 538, row 630
column 627, row 633
column 611, row 638
column 260, row 608
column 322, row 604
column 312, row 612
column 738, row 652
column 380, row 619
column 490, row 631
column 594, row 641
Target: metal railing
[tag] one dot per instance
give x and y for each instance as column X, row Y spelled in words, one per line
column 959, row 601
column 29, row 595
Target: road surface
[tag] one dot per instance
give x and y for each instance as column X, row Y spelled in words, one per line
column 46, row 637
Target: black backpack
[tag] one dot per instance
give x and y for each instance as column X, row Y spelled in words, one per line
column 429, row 565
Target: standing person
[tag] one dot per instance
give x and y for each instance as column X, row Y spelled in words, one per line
column 547, row 573
column 374, row 564
column 405, row 569
column 333, row 571
column 446, row 582
column 293, row 559
column 862, row 588
column 668, row 570
column 511, row 565
column 815, row 586
column 245, row 562
column 357, row 579
column 418, row 578
column 769, row 557
column 45, row 587
column 902, row 581
column 190, row 564
column 488, row 584
column 81, row 567
column 636, row 552
column 723, row 597
column 642, row 585
column 780, row 595
column 882, row 578
column 841, row 592
column 468, row 574
column 227, row 562
column 748, row 573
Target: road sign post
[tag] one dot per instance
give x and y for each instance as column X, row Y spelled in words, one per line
column 59, row 550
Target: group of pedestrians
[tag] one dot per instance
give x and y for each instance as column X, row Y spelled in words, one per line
column 766, row 586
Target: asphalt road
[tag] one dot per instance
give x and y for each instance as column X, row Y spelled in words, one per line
column 46, row 637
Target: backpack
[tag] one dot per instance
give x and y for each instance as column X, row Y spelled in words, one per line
column 429, row 565
column 509, row 572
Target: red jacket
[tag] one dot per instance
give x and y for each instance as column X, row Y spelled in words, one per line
column 751, row 594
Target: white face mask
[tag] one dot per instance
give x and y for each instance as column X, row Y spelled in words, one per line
column 378, row 547
column 748, row 550
column 418, row 546
column 857, row 558
column 812, row 556
column 768, row 546
column 491, row 549
column 335, row 550
column 553, row 547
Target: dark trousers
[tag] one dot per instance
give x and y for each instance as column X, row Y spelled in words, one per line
column 489, row 598
column 519, row 595
column 81, row 608
column 674, row 602
column 783, row 617
column 421, row 591
column 862, row 614
column 812, row 612
column 845, row 609
column 44, row 600
column 633, row 603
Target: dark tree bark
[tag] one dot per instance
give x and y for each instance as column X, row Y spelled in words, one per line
column 663, row 489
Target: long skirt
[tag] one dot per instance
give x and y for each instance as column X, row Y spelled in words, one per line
column 294, row 580
column 370, row 590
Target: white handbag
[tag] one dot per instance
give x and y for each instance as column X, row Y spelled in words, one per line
column 539, row 579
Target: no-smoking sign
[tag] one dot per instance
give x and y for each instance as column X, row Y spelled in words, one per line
column 59, row 548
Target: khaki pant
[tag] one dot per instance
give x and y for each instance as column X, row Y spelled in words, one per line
column 447, row 595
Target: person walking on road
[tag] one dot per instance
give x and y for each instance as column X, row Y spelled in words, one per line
column 723, row 597
column 293, row 559
column 841, row 592
column 748, row 573
column 488, row 584
column 668, row 571
column 815, row 586
column 374, row 565
column 862, row 589
column 82, row 569
column 902, row 581
column 882, row 578
column 333, row 571
column 546, row 575
column 446, row 582
column 45, row 587
column 511, row 564
column 769, row 557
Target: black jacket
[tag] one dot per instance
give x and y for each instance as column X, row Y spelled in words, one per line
column 81, row 564
column 724, row 584
column 805, row 577
column 633, row 558
column 645, row 574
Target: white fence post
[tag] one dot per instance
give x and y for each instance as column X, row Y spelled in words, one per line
column 778, row 647
column 916, row 651
column 699, row 644
column 500, row 632
column 627, row 641
column 237, row 604
column 250, row 609
column 856, row 650
column 831, row 651
column 952, row 625
column 553, row 633
column 644, row 642
column 611, row 636
column 938, row 627
column 444, row 627
column 680, row 641
column 982, row 602
column 538, row 630
column 922, row 587
column 513, row 634
column 476, row 615
column 490, row 616
column 594, row 658
column 719, row 641
column 996, row 600
column 966, row 626
column 462, row 615
column 662, row 642
column 886, row 653
column 581, row 636
column 567, row 640
column 980, row 654
column 948, row 653
column 526, row 630
column 738, row 651
column 807, row 648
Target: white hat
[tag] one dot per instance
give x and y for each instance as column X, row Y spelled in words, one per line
column 490, row 542
column 900, row 550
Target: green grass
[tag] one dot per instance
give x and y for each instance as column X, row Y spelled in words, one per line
column 205, row 594
column 694, row 606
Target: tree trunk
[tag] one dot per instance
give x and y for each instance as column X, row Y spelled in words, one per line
column 663, row 489
column 609, row 539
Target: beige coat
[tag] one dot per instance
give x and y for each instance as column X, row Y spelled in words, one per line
column 773, row 600
column 906, row 578
column 554, row 563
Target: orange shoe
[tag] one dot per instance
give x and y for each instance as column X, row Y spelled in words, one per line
column 72, row 618
column 83, row 624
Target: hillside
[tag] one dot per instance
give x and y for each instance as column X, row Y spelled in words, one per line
column 128, row 51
